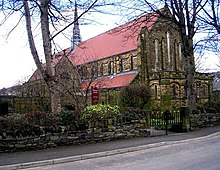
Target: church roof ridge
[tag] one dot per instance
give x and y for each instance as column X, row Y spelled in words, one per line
column 114, row 41
column 118, row 40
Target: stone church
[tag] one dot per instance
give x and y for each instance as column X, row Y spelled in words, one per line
column 147, row 49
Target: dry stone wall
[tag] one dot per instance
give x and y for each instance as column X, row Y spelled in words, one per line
column 199, row 120
column 91, row 135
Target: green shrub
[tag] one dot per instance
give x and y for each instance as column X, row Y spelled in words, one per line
column 100, row 111
column 16, row 119
column 42, row 119
column 68, row 117
column 135, row 95
column 13, row 124
column 166, row 102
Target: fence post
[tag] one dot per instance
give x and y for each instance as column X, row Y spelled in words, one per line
column 184, row 115
column 166, row 116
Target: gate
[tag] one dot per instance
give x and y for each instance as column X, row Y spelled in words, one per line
column 161, row 123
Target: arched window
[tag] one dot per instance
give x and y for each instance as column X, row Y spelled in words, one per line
column 105, row 68
column 134, row 63
column 154, row 89
column 168, row 51
column 204, row 90
column 180, row 57
column 156, row 92
column 121, row 65
column 175, row 58
column 196, row 90
column 175, row 91
column 185, row 91
column 95, row 69
column 64, row 76
column 163, row 63
column 126, row 63
column 100, row 69
column 80, row 70
column 111, row 67
column 65, row 79
column 156, row 54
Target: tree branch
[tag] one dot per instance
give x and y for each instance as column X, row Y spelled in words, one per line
column 74, row 20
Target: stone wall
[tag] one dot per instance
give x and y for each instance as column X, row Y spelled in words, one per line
column 95, row 132
column 66, row 137
column 203, row 119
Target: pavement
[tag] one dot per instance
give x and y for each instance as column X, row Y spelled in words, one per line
column 29, row 159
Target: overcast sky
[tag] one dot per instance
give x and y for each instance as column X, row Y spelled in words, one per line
column 16, row 63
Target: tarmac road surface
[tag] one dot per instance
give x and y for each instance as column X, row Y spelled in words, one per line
column 52, row 156
column 200, row 153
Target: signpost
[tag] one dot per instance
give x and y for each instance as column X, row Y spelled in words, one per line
column 95, row 95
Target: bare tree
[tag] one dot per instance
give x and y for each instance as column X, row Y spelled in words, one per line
column 48, row 73
column 48, row 13
column 210, row 15
column 187, row 16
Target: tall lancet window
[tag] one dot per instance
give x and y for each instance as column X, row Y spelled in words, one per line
column 163, row 59
column 156, row 54
column 180, row 57
column 175, row 57
column 168, row 50
column 155, row 91
column 175, row 91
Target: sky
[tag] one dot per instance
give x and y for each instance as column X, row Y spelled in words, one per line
column 17, row 64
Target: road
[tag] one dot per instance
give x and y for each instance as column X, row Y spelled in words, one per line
column 200, row 153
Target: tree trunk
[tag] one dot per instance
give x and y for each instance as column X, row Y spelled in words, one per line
column 187, row 33
column 48, row 74
column 50, row 77
column 190, row 83
column 190, row 80
column 54, row 96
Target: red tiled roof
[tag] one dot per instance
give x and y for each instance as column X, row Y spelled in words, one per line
column 108, row 82
column 116, row 41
